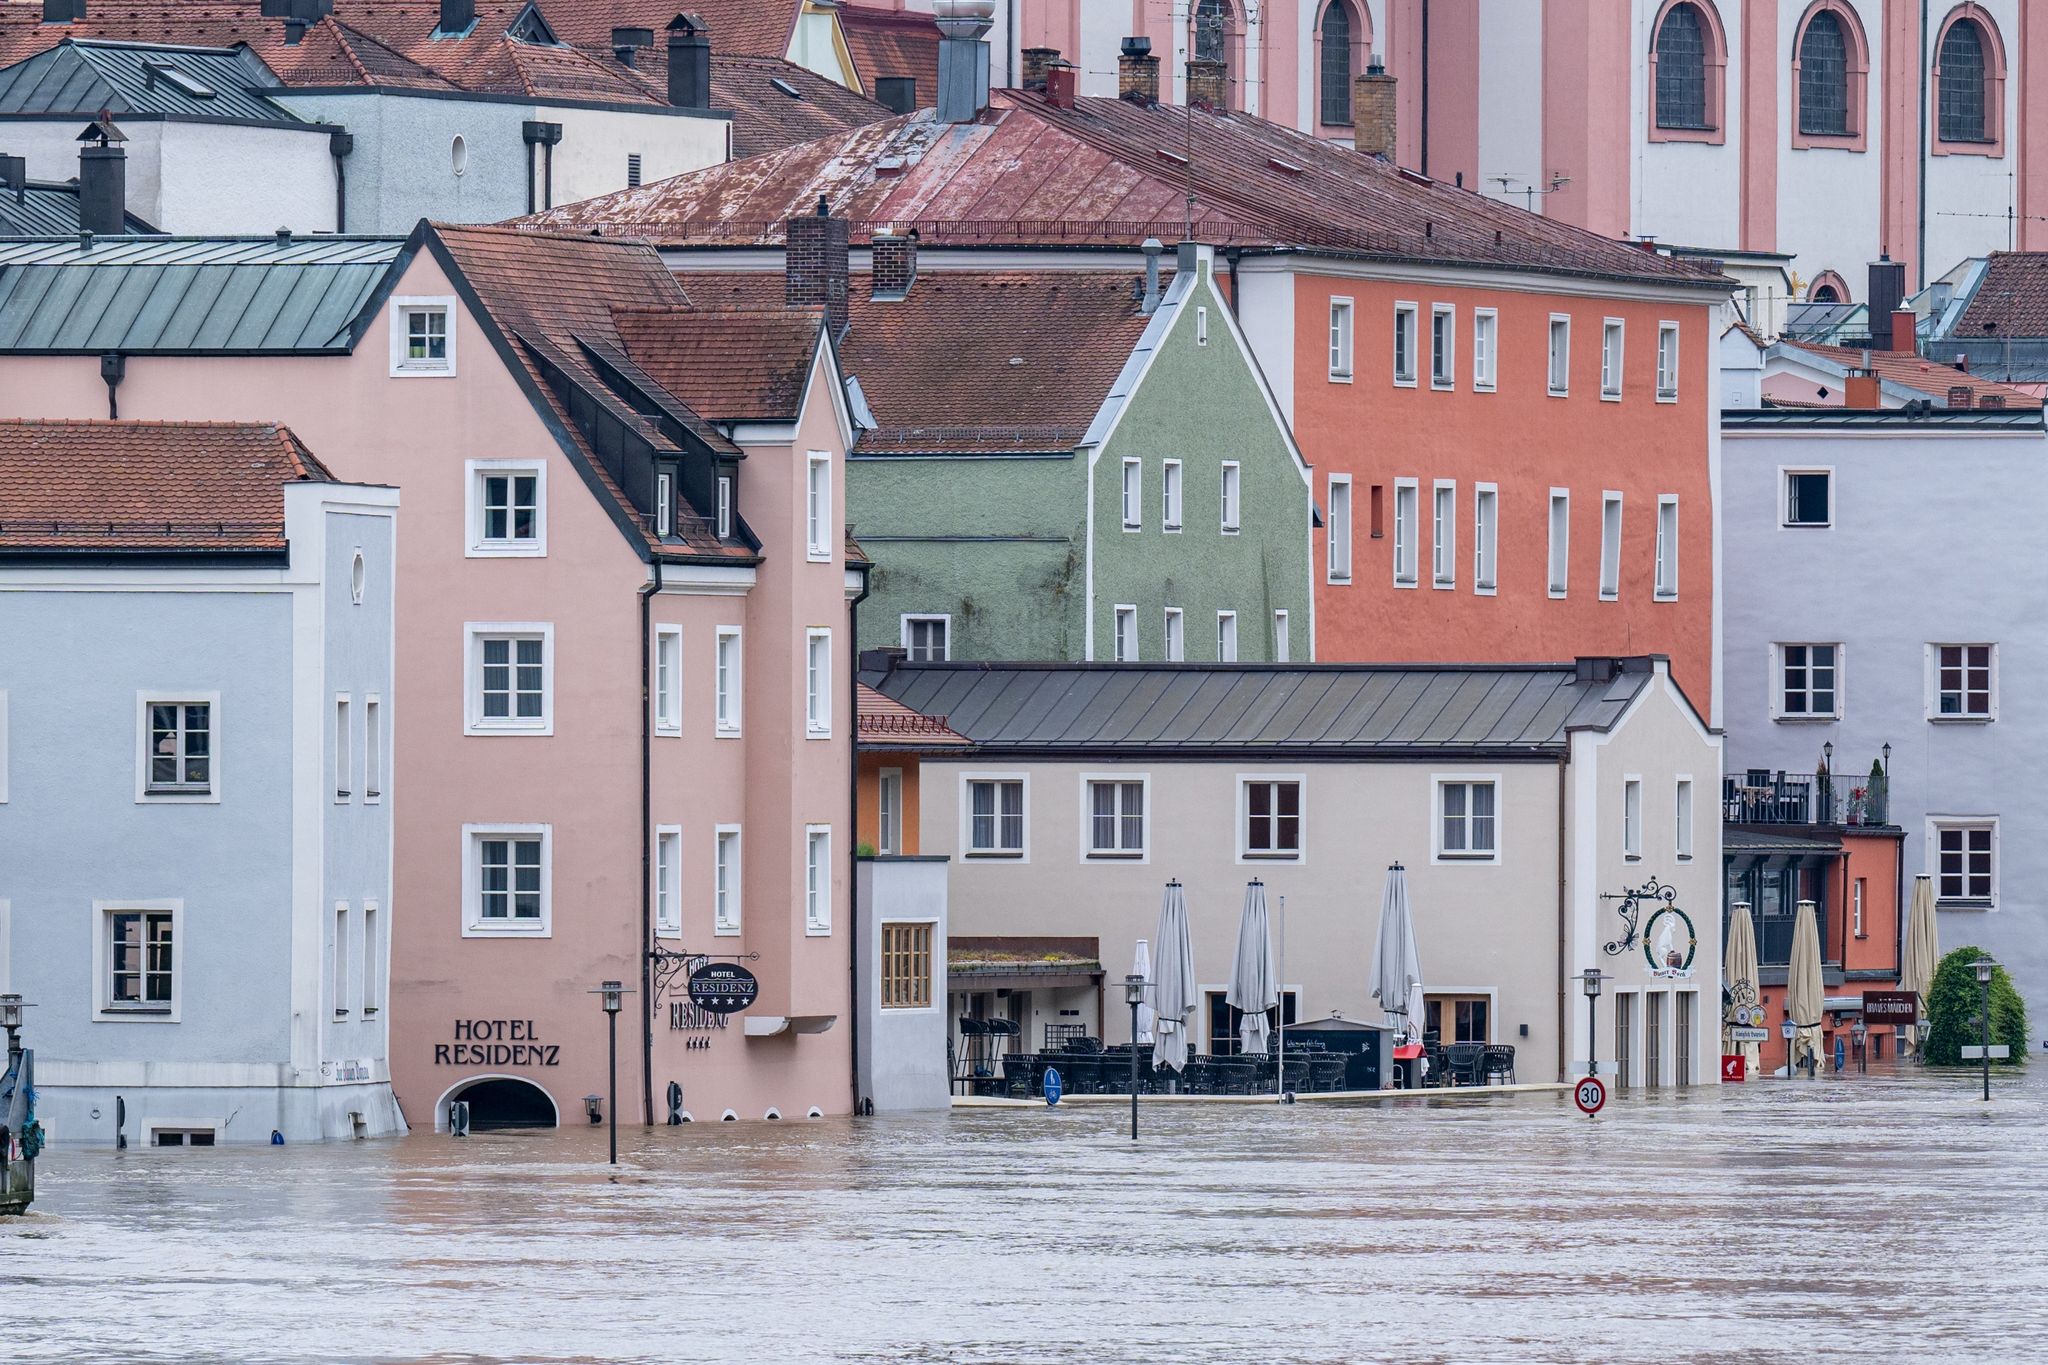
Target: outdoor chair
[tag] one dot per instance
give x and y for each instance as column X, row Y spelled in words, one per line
column 1328, row 1070
column 1021, row 1074
column 1465, row 1063
column 1500, row 1064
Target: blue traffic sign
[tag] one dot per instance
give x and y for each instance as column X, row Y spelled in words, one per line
column 1052, row 1085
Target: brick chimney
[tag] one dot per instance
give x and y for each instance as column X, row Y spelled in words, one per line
column 689, row 63
column 1037, row 62
column 1863, row 389
column 1062, row 85
column 894, row 265
column 1372, row 111
column 1208, row 84
column 1905, row 331
column 1137, row 72
column 814, row 266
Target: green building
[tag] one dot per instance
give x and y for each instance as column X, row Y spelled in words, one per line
column 1052, row 471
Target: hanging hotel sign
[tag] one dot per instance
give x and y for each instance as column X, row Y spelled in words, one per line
column 723, row 988
column 1652, row 921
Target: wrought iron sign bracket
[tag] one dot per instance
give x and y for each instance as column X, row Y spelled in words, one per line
column 670, row 964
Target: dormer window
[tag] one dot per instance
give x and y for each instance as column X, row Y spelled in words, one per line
column 664, row 505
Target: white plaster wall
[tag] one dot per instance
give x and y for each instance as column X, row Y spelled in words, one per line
column 1265, row 310
column 1686, row 193
column 1969, row 196
column 591, row 159
column 1829, row 200
column 1103, row 29
column 1510, row 97
column 51, row 147
column 238, row 179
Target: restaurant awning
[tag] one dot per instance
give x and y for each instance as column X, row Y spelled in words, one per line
column 1022, row 963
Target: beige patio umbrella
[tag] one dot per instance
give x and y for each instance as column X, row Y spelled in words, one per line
column 1804, row 994
column 1738, row 968
column 1921, row 953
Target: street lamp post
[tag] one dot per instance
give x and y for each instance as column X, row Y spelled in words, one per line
column 1861, row 1031
column 1985, row 966
column 613, row 993
column 1590, row 979
column 1134, row 995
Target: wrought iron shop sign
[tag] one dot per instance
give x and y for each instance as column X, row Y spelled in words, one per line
column 723, row 988
column 1651, row 920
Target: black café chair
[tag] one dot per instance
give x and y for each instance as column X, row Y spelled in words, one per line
column 1466, row 1063
column 1021, row 1072
column 1500, row 1064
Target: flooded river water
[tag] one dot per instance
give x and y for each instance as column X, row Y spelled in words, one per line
column 1876, row 1219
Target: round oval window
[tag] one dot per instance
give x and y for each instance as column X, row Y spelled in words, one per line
column 458, row 154
column 355, row 577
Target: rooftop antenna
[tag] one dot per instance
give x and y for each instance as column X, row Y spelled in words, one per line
column 1510, row 185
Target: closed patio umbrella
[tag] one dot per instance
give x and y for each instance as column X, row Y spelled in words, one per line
column 1141, row 965
column 1173, row 982
column 1396, row 973
column 1804, row 994
column 1738, row 967
column 1254, row 981
column 1921, row 952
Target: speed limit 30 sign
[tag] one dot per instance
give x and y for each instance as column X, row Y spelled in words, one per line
column 1589, row 1094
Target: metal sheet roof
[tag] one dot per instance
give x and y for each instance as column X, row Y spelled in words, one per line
column 181, row 294
column 1307, row 709
column 46, row 210
column 81, row 78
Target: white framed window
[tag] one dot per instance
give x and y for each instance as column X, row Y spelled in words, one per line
column 344, row 751
column 1269, row 817
column 1340, row 341
column 664, row 504
column 995, row 819
column 338, row 988
column 1681, row 807
column 1339, row 532
column 1610, row 546
column 1201, row 325
column 1232, row 485
column 1632, row 818
column 178, row 747
column 1856, row 908
column 510, row 666
column 817, row 880
column 508, row 508
column 726, row 663
column 906, row 976
column 373, row 748
column 1809, row 682
column 1560, row 355
column 1126, row 643
column 818, row 532
column 1965, row 862
column 889, row 811
column 1667, row 362
column 725, row 880
column 1134, row 494
column 375, row 966
column 507, row 879
column 1169, row 495
column 422, row 337
column 1485, row 537
column 1611, row 355
column 138, row 954
column 1467, row 824
column 1176, row 635
column 1667, row 548
column 1443, row 548
column 1226, row 637
column 1113, row 810
column 1404, row 344
column 1485, row 349
column 818, row 682
column 1963, row 682
column 1443, row 346
column 1280, row 635
column 725, row 506
column 927, row 639
column 1560, row 541
column 1407, row 499
column 1809, row 497
column 668, row 680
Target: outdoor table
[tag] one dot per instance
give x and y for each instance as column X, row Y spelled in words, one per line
column 1407, row 1065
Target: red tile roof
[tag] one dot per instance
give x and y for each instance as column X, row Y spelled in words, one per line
column 2011, row 300
column 1114, row 172
column 884, row 722
column 148, row 486
column 1915, row 372
column 730, row 364
column 985, row 361
column 893, row 43
column 753, row 28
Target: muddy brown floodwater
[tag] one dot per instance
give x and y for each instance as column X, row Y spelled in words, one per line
column 1887, row 1218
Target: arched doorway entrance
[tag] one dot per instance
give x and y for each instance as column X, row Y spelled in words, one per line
column 500, row 1102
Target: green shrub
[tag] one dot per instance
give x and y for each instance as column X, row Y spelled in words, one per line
column 1952, row 1006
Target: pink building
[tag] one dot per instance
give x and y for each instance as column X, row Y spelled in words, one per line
column 622, row 715
column 1828, row 131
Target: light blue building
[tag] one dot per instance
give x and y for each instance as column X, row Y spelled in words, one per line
column 195, row 811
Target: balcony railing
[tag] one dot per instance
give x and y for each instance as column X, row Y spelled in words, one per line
column 1763, row 796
